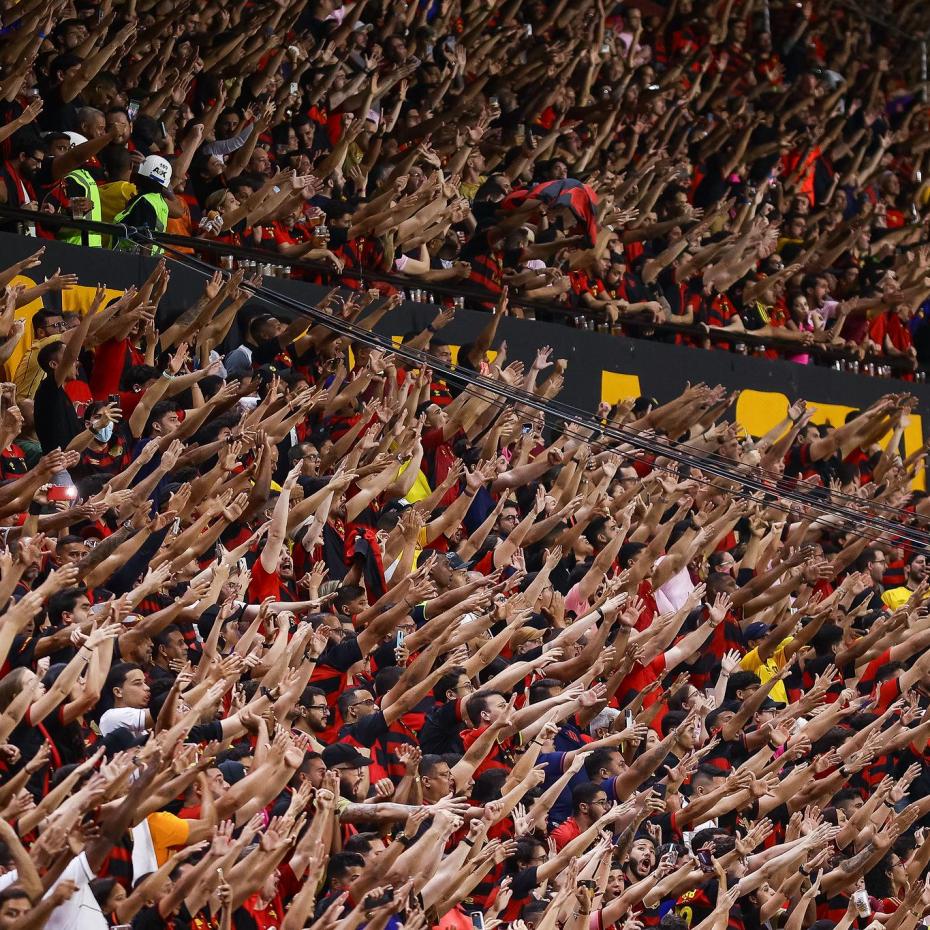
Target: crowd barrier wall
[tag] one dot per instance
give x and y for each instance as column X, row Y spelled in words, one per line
column 600, row 366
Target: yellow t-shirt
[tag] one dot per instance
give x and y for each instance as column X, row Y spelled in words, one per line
column 896, row 597
column 420, row 490
column 113, row 198
column 766, row 670
column 28, row 375
column 167, row 832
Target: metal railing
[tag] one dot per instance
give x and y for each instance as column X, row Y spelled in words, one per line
column 458, row 294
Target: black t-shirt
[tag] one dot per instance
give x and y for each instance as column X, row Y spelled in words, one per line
column 148, row 919
column 752, row 316
column 57, row 115
column 367, row 731
column 713, row 187
column 442, row 729
column 56, row 422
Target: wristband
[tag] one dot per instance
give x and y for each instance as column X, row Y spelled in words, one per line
column 431, row 328
column 804, row 871
column 405, row 841
column 468, row 842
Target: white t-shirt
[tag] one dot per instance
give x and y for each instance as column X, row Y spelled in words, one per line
column 116, row 717
column 82, row 912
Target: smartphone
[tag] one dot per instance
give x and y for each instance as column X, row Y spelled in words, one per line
column 705, row 861
column 59, row 492
column 528, row 30
column 373, row 901
column 293, row 88
column 132, row 111
column 477, row 919
column 673, row 855
column 113, row 399
column 399, row 640
column 526, row 429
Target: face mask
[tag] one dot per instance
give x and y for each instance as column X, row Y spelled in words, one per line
column 103, row 435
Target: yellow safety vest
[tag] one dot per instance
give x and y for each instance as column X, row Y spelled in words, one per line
column 160, row 207
column 85, row 180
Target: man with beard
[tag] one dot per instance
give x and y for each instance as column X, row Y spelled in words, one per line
column 352, row 767
column 311, row 716
column 640, row 860
column 916, row 575
column 875, row 562
column 17, row 175
column 589, row 802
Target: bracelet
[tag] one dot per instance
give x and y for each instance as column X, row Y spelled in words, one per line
column 431, row 328
column 468, row 842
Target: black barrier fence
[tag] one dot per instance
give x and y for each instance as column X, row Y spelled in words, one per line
column 600, row 367
column 461, row 293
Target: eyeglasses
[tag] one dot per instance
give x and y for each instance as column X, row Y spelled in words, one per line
column 322, row 708
column 368, row 702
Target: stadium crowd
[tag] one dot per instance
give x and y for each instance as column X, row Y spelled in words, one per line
column 296, row 633
column 738, row 167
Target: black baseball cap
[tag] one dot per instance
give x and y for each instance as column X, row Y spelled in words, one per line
column 344, row 754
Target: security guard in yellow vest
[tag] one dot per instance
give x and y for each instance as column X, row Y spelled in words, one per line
column 81, row 185
column 148, row 208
